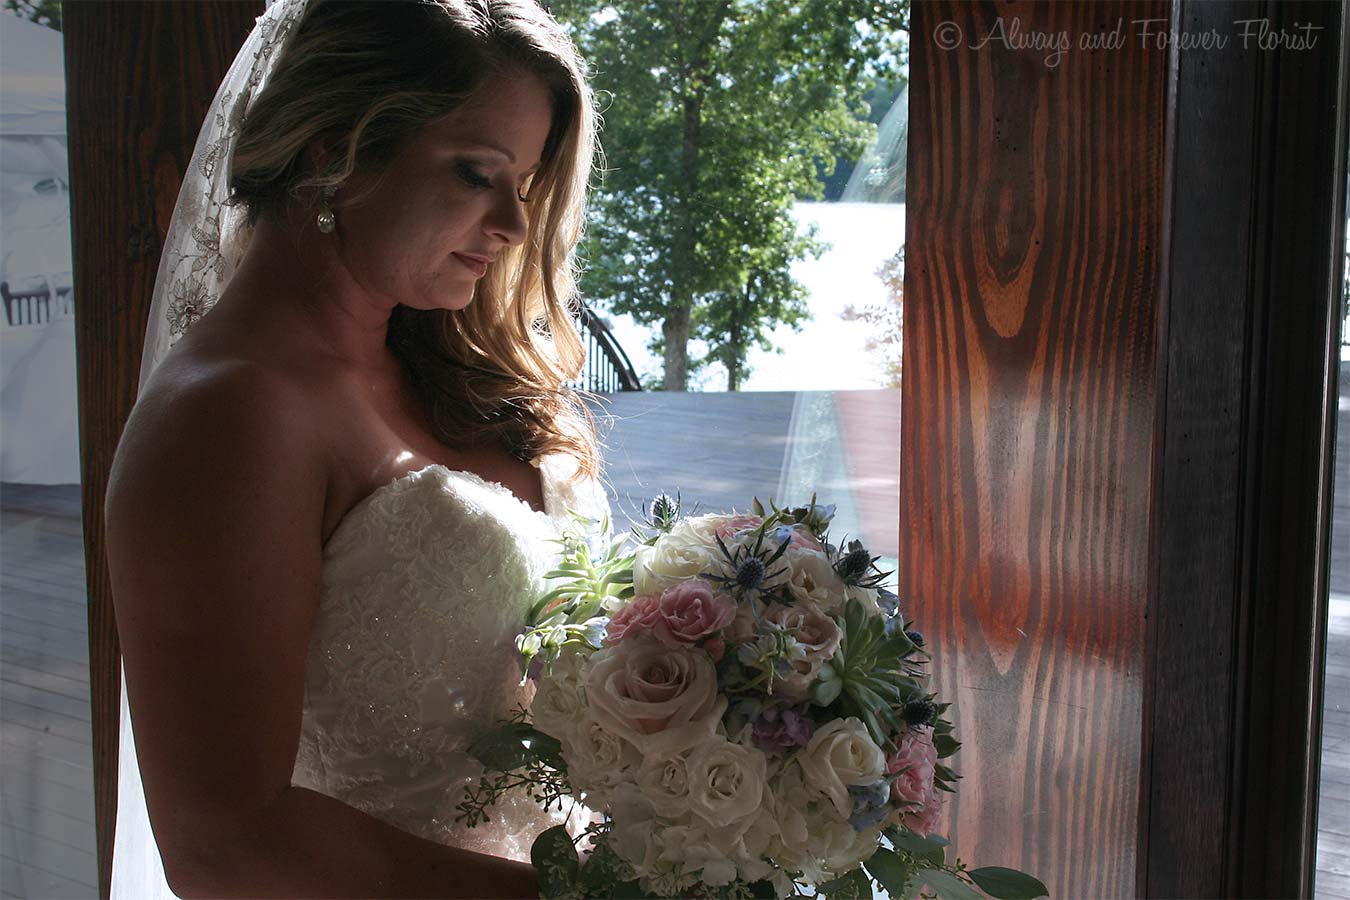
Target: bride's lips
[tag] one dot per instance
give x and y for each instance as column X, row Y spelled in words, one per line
column 475, row 264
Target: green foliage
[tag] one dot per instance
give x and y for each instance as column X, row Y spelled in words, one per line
column 43, row 12
column 555, row 861
column 947, row 885
column 570, row 614
column 1008, row 884
column 715, row 114
column 853, row 886
column 890, row 870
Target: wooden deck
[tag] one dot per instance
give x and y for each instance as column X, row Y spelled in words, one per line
column 718, row 449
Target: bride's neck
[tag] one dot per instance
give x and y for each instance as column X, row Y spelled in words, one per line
column 297, row 281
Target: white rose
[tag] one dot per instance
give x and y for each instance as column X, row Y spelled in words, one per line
column 726, row 783
column 812, row 577
column 840, row 754
column 664, row 781
column 597, row 759
column 686, row 551
column 560, row 700
column 661, row 699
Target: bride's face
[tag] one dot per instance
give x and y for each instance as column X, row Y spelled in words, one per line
column 450, row 199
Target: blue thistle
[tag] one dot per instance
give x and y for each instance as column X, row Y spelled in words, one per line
column 919, row 712
column 751, row 572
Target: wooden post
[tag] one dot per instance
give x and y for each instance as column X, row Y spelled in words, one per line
column 139, row 76
column 1035, row 208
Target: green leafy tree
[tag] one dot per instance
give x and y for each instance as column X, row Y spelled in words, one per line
column 43, row 12
column 716, row 113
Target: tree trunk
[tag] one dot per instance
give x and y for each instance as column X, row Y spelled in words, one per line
column 675, row 329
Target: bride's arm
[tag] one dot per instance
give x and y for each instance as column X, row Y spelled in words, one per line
column 214, row 518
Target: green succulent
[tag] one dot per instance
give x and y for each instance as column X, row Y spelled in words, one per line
column 867, row 677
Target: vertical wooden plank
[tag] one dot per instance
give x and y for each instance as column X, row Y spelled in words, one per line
column 1243, row 480
column 139, row 76
column 1035, row 206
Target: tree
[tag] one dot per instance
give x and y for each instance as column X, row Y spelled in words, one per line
column 717, row 113
column 886, row 319
column 43, row 12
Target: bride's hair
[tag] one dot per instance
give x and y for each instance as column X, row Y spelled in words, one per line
column 363, row 78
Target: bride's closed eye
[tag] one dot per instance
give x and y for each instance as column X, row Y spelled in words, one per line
column 476, row 179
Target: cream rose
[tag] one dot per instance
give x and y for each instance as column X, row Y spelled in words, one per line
column 726, row 783
column 597, row 759
column 812, row 577
column 686, row 551
column 840, row 754
column 664, row 781
column 661, row 699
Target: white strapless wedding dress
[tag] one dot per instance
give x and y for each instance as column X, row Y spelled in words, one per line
column 426, row 583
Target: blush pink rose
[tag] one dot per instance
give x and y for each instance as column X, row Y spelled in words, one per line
column 638, row 617
column 913, row 791
column 734, row 525
column 690, row 611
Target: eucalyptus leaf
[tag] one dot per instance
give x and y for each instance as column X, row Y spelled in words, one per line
column 1008, row 884
column 889, row 870
column 946, row 745
column 555, row 861
column 947, row 886
column 916, row 843
column 503, row 748
column 853, row 886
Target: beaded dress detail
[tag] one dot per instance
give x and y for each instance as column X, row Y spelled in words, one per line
column 426, row 583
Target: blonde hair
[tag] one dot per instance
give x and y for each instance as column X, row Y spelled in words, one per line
column 365, row 77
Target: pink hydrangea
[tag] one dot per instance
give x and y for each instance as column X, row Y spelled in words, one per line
column 913, row 791
column 638, row 617
column 690, row 611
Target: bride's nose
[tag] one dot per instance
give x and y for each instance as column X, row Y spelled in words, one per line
column 506, row 219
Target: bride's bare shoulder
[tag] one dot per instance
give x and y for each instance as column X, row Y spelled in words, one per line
column 223, row 421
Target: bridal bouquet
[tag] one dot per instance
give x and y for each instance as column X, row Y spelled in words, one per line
column 747, row 707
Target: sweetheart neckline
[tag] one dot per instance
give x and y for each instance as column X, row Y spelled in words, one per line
column 496, row 486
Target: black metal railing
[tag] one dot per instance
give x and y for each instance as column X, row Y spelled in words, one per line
column 35, row 307
column 608, row 369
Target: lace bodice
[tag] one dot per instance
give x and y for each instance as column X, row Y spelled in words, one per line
column 412, row 653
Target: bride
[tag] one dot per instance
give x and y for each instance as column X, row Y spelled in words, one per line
column 336, row 493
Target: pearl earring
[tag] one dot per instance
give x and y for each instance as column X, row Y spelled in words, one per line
column 326, row 221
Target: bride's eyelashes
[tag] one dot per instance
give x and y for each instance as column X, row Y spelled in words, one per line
column 472, row 176
column 476, row 179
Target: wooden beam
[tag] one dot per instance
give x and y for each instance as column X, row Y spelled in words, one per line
column 139, row 76
column 1035, row 204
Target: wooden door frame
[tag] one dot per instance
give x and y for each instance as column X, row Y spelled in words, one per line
column 1248, row 343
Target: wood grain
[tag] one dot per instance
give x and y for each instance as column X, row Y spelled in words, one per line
column 1035, row 202
column 139, row 77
